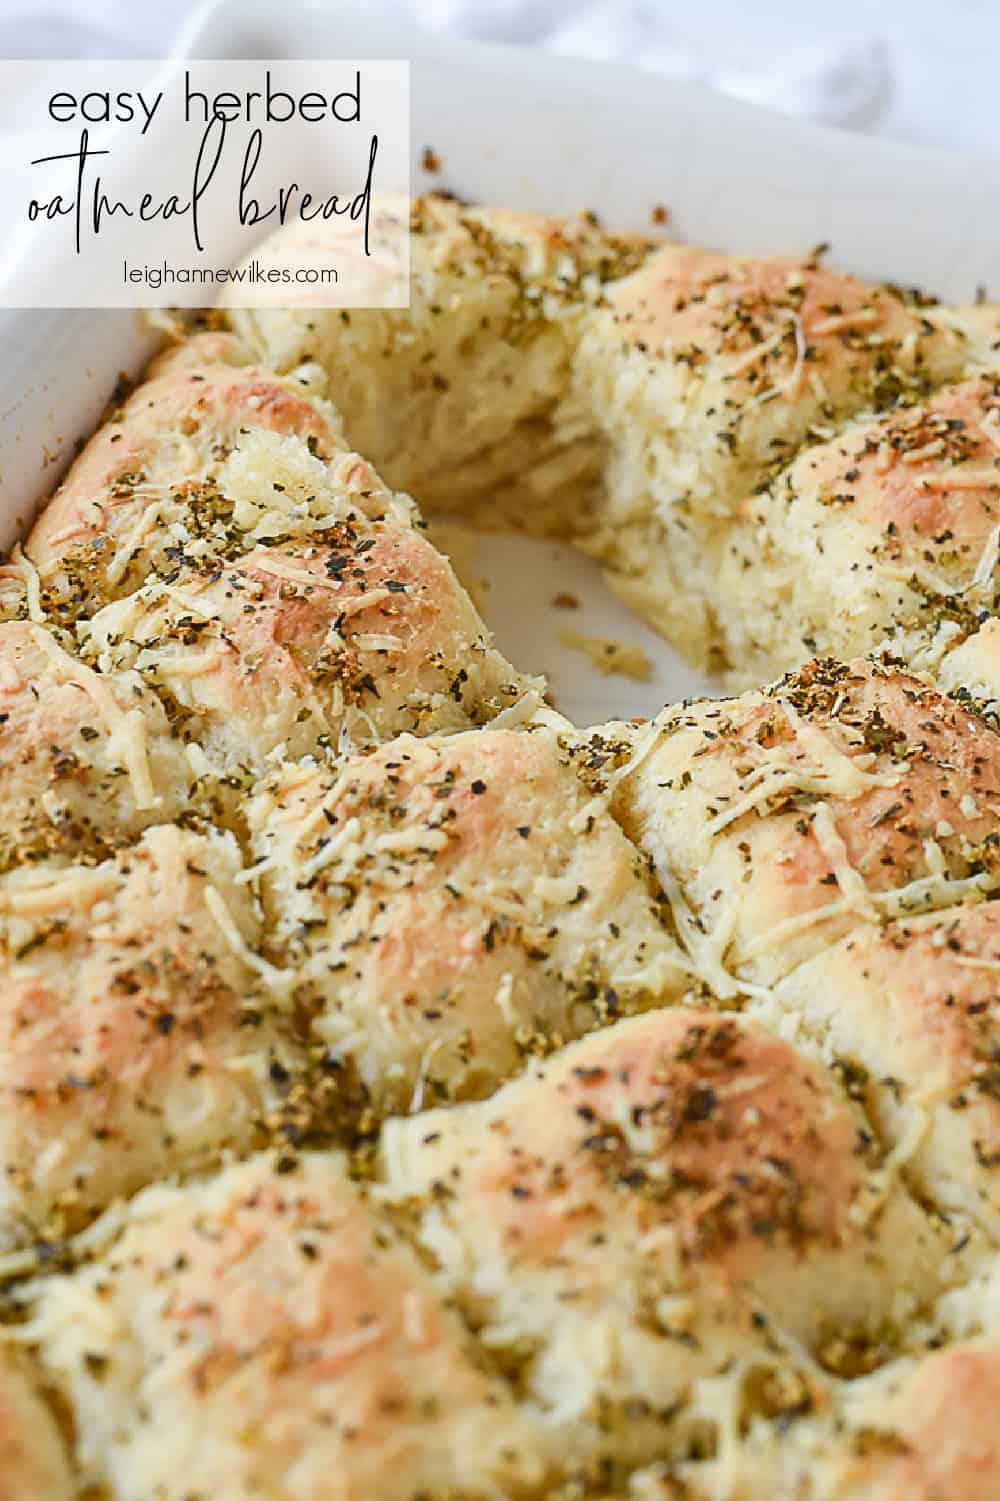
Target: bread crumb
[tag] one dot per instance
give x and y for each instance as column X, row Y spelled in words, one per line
column 660, row 213
column 566, row 601
column 611, row 657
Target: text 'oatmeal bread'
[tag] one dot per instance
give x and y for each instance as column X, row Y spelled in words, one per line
column 449, row 906
column 261, row 1334
column 844, row 795
column 134, row 1037
column 657, row 1201
column 87, row 760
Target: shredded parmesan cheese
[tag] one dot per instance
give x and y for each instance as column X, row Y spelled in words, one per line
column 127, row 731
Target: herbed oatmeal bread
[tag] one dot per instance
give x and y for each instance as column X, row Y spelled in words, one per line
column 921, row 1429
column 910, row 1008
column 970, row 669
column 450, row 906
column 738, row 1247
column 705, row 373
column 136, row 1038
column 263, row 1333
column 339, row 641
column 844, row 795
column 294, row 603
column 926, row 1431
column 670, row 1196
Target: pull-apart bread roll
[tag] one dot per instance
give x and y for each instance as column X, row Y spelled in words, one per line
column 262, row 1335
column 145, row 490
column 87, row 760
column 448, row 906
column 665, row 1198
column 970, row 671
column 455, row 398
column 705, row 373
column 903, row 513
column 134, row 1036
column 727, row 363
column 911, row 1008
column 343, row 637
column 843, row 796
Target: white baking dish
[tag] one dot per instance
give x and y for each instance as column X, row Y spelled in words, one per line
column 526, row 129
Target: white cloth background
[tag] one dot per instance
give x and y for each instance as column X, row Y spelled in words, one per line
column 920, row 70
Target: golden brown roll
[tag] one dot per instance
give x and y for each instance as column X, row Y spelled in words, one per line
column 921, row 1429
column 705, row 373
column 261, row 1334
column 670, row 1196
column 134, row 1035
column 147, row 485
column 888, row 532
column 844, row 795
column 451, row 905
column 910, row 1009
column 927, row 1433
column 312, row 647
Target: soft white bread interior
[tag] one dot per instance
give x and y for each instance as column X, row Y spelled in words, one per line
column 636, row 396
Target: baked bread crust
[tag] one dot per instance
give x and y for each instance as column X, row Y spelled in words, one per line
column 657, row 1202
